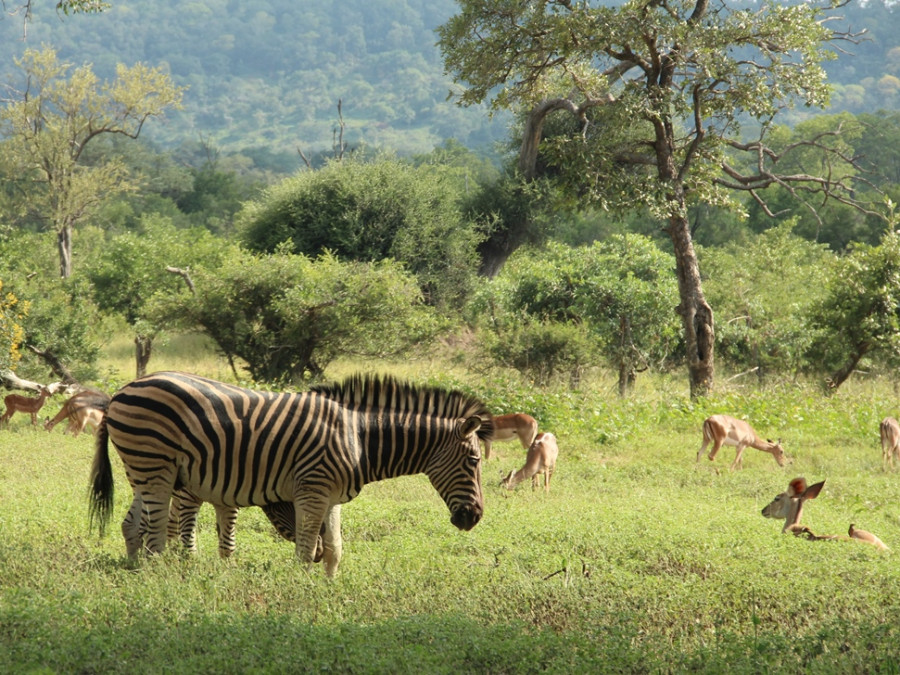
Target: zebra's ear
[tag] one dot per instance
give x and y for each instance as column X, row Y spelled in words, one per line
column 469, row 426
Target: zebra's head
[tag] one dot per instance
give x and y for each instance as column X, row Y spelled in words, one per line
column 456, row 473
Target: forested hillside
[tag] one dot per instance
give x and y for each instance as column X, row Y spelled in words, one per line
column 270, row 73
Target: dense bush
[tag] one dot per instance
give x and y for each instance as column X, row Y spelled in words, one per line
column 386, row 209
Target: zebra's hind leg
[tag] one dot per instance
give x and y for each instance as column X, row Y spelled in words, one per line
column 226, row 519
column 156, row 515
column 133, row 527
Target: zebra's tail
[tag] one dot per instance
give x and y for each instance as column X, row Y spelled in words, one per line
column 101, row 488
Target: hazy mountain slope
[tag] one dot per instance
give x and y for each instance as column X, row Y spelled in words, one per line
column 270, row 72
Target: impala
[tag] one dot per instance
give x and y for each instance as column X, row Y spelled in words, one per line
column 725, row 430
column 541, row 459
column 890, row 442
column 24, row 404
column 510, row 427
column 83, row 408
column 789, row 505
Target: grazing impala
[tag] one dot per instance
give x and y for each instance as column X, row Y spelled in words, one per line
column 25, row 404
column 83, row 408
column 510, row 427
column 789, row 505
column 541, row 459
column 725, row 430
column 890, row 442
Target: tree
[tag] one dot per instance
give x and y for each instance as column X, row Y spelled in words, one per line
column 658, row 91
column 288, row 316
column 860, row 313
column 61, row 326
column 370, row 212
column 618, row 292
column 50, row 121
column 134, row 266
column 763, row 290
column 11, row 334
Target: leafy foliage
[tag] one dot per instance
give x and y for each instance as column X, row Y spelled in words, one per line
column 288, row 316
column 370, row 212
column 860, row 313
column 11, row 334
column 764, row 290
column 616, row 294
column 55, row 115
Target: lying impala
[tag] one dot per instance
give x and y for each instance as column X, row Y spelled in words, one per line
column 83, row 408
column 890, row 442
column 789, row 505
column 725, row 430
column 541, row 459
column 510, row 427
column 24, row 404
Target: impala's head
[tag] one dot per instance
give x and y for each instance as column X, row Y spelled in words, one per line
column 789, row 504
column 778, row 453
column 455, row 472
column 507, row 479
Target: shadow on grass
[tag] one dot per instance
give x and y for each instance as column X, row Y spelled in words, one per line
column 32, row 641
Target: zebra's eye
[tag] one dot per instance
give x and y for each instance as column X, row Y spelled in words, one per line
column 473, row 459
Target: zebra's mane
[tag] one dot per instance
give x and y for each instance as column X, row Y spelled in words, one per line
column 388, row 393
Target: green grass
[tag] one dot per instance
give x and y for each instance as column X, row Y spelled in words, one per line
column 637, row 560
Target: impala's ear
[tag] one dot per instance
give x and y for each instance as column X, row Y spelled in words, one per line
column 813, row 491
column 797, row 486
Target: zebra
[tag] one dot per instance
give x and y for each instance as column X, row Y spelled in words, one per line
column 310, row 452
column 185, row 506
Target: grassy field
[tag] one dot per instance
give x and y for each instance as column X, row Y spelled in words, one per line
column 637, row 561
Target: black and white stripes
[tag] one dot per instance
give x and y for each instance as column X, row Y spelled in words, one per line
column 310, row 452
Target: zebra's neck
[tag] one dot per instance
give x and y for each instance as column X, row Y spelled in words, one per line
column 396, row 444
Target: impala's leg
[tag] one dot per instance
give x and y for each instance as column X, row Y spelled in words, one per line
column 487, row 449
column 702, row 448
column 738, row 457
column 547, row 475
column 332, row 543
column 226, row 519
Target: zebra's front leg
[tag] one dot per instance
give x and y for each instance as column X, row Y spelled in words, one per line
column 226, row 519
column 310, row 511
column 183, row 519
column 331, row 540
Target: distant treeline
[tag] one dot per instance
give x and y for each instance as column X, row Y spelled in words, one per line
column 270, row 73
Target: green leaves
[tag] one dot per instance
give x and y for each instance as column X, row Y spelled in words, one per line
column 288, row 316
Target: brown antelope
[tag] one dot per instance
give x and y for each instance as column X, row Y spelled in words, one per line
column 890, row 442
column 25, row 404
column 789, row 505
column 541, row 459
column 725, row 430
column 510, row 427
column 83, row 408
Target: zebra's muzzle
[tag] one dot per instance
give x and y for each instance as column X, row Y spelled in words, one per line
column 466, row 517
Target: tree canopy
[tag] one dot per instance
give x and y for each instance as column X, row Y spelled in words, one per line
column 658, row 94
column 54, row 116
